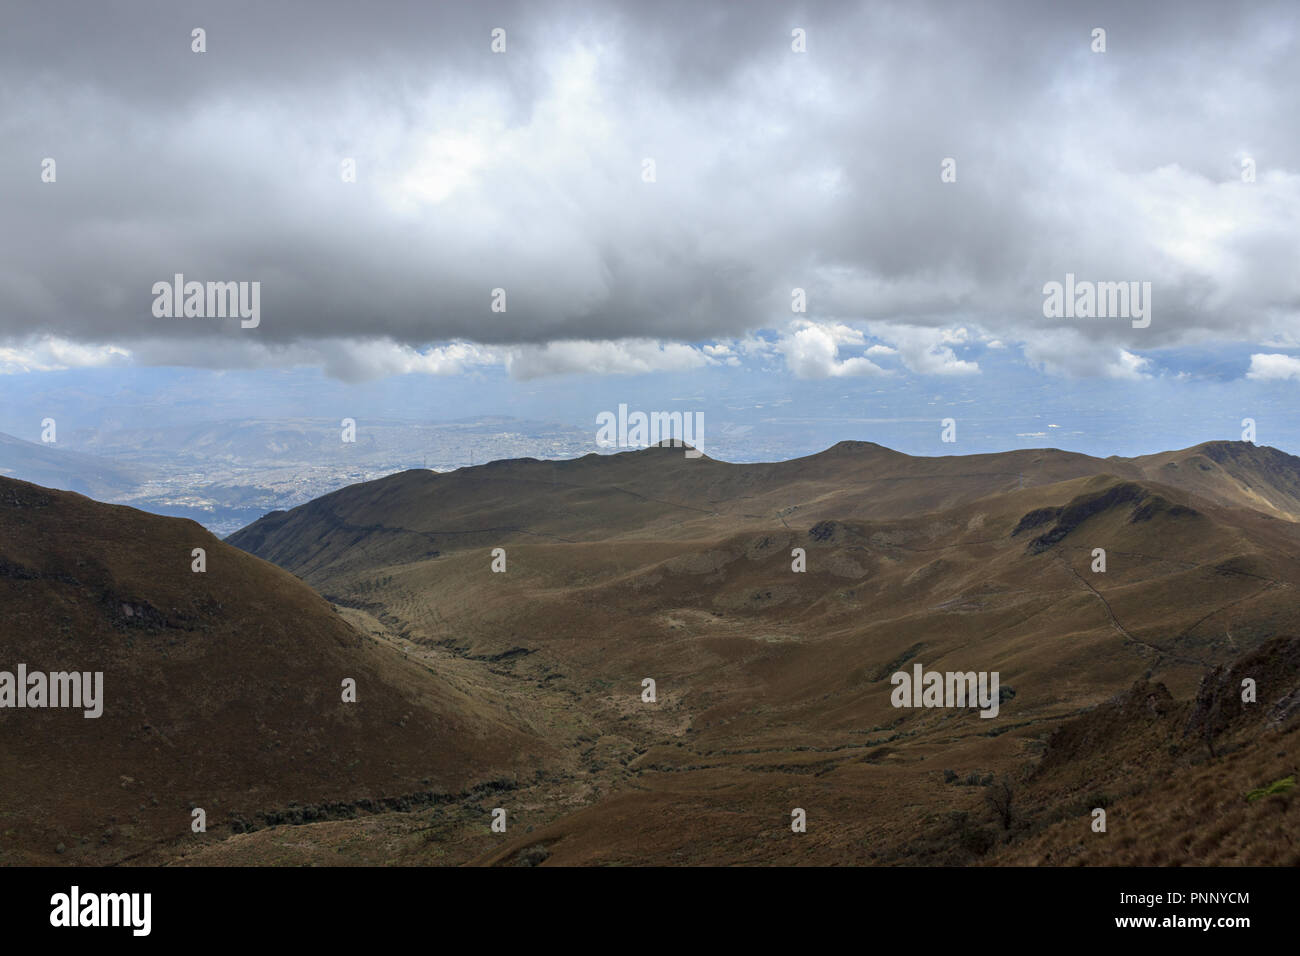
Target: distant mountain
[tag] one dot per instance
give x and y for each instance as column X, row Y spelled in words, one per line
column 55, row 467
column 659, row 493
column 1232, row 473
column 221, row 690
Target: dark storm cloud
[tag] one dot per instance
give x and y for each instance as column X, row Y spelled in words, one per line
column 523, row 170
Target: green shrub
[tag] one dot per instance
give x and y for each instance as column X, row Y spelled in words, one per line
column 1277, row 786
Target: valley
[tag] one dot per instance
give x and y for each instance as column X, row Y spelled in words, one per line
column 523, row 689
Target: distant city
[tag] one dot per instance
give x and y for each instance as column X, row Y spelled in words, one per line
column 226, row 475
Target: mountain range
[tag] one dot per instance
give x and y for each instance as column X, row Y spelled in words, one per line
column 502, row 621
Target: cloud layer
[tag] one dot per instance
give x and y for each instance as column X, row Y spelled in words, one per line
column 526, row 171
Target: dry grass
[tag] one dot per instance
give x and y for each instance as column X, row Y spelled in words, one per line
column 773, row 688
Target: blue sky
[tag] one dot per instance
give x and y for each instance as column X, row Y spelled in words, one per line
column 753, row 410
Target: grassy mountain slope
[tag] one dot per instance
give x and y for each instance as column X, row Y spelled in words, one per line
column 773, row 686
column 222, row 691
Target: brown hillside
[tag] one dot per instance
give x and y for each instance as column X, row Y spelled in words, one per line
column 222, row 691
column 773, row 686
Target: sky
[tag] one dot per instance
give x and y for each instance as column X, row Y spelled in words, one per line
column 837, row 217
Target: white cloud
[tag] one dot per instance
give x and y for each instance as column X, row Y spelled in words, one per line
column 927, row 351
column 363, row 360
column 357, row 360
column 347, row 359
column 723, row 353
column 1066, row 352
column 756, row 345
column 811, row 350
column 1273, row 367
column 53, row 354
column 1129, row 365
column 624, row 357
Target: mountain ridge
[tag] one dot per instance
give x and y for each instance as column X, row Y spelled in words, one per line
column 503, row 621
